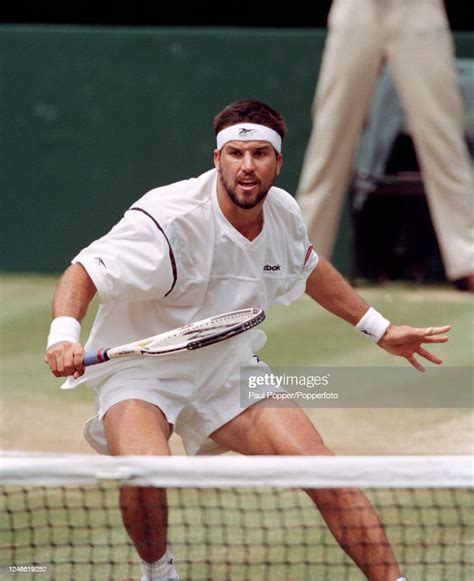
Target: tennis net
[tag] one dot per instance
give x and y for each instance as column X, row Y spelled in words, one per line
column 232, row 517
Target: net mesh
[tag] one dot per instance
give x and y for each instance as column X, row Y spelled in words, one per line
column 75, row 531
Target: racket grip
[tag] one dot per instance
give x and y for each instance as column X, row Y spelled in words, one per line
column 92, row 358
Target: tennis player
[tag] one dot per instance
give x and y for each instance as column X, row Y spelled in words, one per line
column 226, row 240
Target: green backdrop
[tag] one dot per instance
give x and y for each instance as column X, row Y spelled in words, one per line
column 91, row 118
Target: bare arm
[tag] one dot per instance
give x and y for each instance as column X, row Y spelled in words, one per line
column 74, row 292
column 329, row 289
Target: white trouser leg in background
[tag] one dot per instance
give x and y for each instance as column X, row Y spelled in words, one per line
column 348, row 73
column 421, row 59
column 414, row 36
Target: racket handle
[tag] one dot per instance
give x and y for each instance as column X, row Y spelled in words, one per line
column 94, row 357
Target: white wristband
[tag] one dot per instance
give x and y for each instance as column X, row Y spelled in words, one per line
column 373, row 325
column 64, row 329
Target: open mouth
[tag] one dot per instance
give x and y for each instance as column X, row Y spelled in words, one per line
column 248, row 184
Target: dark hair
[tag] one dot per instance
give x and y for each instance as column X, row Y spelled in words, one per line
column 250, row 111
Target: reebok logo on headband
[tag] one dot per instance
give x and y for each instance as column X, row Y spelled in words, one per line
column 249, row 132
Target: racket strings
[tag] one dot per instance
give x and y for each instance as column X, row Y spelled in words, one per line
column 201, row 331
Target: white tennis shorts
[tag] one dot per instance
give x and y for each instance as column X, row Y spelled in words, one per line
column 197, row 391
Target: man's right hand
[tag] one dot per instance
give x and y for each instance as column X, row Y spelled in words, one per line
column 65, row 359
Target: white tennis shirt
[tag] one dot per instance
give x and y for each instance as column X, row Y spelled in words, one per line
column 174, row 258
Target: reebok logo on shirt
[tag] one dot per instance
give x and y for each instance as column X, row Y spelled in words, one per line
column 270, row 267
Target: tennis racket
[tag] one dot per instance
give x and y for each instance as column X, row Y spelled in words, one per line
column 188, row 337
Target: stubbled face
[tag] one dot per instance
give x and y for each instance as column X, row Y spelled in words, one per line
column 247, row 170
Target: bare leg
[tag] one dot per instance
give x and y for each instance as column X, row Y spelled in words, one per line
column 356, row 527
column 145, row 517
column 135, row 427
column 347, row 512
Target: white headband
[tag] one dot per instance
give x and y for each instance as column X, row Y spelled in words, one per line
column 248, row 132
